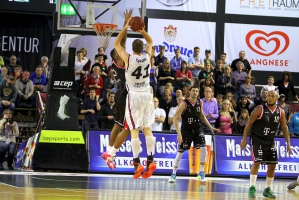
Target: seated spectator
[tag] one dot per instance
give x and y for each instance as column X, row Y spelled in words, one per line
column 165, row 75
column 101, row 51
column 38, row 79
column 229, row 96
column 285, row 86
column 287, row 111
column 94, row 81
column 208, row 83
column 13, row 63
column 172, row 112
column 239, row 75
column 160, row 116
column 178, row 93
column 103, row 68
column 246, row 68
column 9, row 129
column 170, row 87
column 248, row 90
column 219, row 101
column 183, row 76
column 105, row 100
column 45, row 66
column 175, row 62
column 186, row 91
column 245, row 103
column 226, row 82
column 17, row 73
column 242, row 121
column 110, row 84
column 206, row 73
column 294, row 124
column 160, row 58
column 90, row 109
column 4, row 75
column 219, row 69
column 270, row 87
column 106, row 113
column 153, row 76
column 25, row 89
column 226, row 119
column 8, row 95
column 166, row 102
column 210, row 109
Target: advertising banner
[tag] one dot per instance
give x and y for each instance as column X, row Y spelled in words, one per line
column 183, row 5
column 273, row 8
column 184, row 35
column 267, row 48
column 231, row 160
column 165, row 152
column 21, row 153
column 65, row 137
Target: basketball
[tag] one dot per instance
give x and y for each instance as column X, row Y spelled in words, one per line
column 136, row 23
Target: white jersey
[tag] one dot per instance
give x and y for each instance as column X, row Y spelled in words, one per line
column 137, row 73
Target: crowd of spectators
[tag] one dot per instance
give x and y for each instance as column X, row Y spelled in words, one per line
column 227, row 91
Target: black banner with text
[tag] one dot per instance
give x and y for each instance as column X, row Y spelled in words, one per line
column 28, row 37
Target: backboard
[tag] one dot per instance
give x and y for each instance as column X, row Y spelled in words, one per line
column 77, row 16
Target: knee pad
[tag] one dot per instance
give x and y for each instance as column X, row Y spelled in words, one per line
column 203, row 154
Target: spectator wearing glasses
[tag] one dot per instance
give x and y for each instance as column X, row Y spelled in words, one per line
column 8, row 94
column 9, row 129
column 210, row 109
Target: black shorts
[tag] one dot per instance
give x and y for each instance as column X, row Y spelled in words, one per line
column 263, row 151
column 120, row 107
column 189, row 136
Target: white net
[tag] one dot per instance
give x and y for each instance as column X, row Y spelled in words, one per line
column 104, row 32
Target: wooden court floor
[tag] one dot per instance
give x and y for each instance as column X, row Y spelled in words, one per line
column 21, row 185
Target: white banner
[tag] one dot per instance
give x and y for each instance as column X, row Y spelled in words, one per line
column 275, row 8
column 268, row 48
column 184, row 35
column 183, row 5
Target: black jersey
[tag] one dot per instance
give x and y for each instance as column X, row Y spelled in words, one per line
column 266, row 125
column 190, row 116
column 119, row 72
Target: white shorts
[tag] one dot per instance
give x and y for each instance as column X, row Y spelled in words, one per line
column 140, row 110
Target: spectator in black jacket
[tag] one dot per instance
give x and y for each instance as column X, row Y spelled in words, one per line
column 226, row 83
column 106, row 113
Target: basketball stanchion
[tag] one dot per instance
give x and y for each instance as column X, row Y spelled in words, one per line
column 104, row 32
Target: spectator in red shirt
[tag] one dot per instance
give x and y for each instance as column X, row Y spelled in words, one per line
column 183, row 76
column 94, row 81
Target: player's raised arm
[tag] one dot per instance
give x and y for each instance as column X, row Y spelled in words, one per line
column 128, row 16
column 148, row 39
column 120, row 49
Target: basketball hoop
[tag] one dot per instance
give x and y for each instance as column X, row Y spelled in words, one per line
column 104, row 32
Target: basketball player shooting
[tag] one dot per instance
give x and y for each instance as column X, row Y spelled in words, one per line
column 139, row 103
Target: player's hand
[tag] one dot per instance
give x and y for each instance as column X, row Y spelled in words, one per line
column 142, row 30
column 128, row 24
column 92, row 111
column 243, row 144
column 128, row 15
column 215, row 130
column 180, row 139
column 290, row 151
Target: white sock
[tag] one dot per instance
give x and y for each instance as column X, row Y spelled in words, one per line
column 112, row 151
column 150, row 145
column 108, row 148
column 252, row 180
column 177, row 161
column 269, row 182
column 135, row 142
column 298, row 179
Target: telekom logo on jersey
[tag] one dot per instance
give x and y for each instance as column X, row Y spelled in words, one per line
column 268, row 44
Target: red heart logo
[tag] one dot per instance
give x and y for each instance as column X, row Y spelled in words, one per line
column 258, row 39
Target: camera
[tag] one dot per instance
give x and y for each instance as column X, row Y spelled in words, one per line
column 10, row 120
